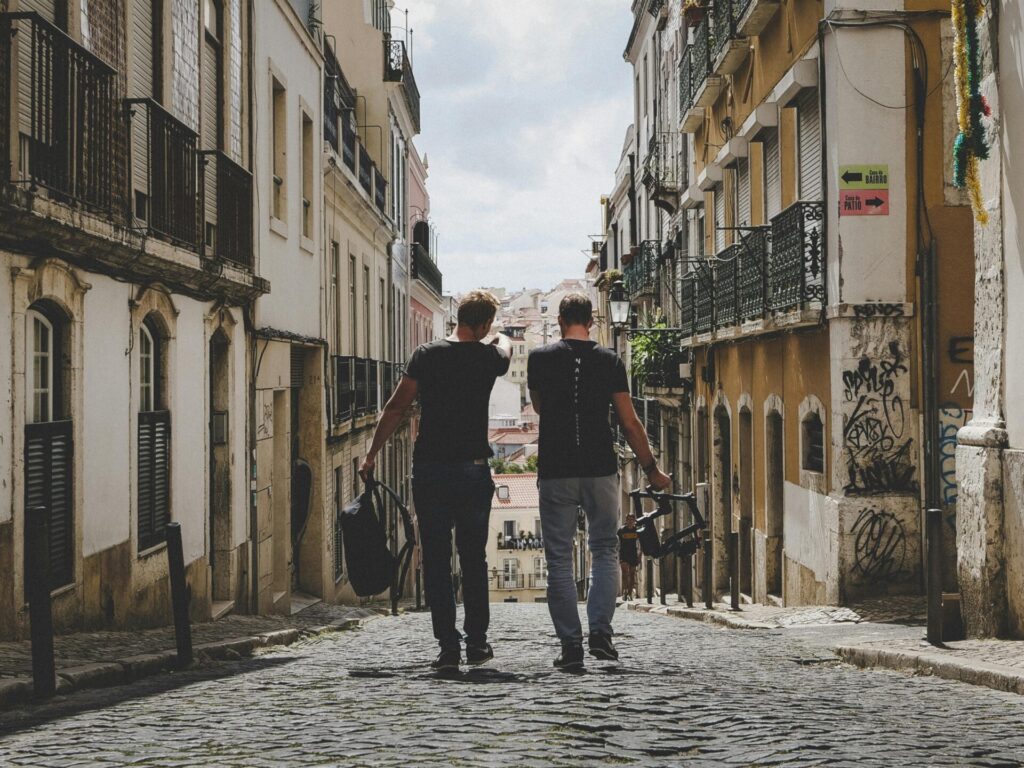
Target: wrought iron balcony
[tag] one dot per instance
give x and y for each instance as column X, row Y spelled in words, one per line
column 382, row 16
column 752, row 285
column 398, row 69
column 344, row 387
column 425, row 269
column 640, row 276
column 167, row 150
column 339, row 102
column 686, row 82
column 348, row 145
column 704, row 301
column 728, row 50
column 380, row 190
column 661, row 169
column 726, row 271
column 61, row 106
column 687, row 304
column 227, row 196
column 700, row 55
column 796, row 267
column 365, row 170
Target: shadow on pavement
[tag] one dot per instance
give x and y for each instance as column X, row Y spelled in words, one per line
column 33, row 715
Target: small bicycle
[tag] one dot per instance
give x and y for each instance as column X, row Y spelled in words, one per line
column 681, row 543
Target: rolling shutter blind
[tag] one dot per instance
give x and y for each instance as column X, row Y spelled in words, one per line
column 772, row 175
column 154, row 474
column 743, row 192
column 210, row 136
column 719, row 218
column 298, row 358
column 809, row 145
column 49, row 448
column 140, row 85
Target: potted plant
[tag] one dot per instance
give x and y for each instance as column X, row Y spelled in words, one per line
column 656, row 355
column 607, row 279
column 694, row 11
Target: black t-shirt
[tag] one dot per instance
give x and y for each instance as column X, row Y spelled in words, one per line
column 627, row 546
column 575, row 381
column 455, row 379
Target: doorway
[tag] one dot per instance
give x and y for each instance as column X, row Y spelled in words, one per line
column 721, row 523
column 746, row 500
column 775, row 469
column 220, row 476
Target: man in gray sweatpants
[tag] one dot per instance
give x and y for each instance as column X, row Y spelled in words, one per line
column 572, row 382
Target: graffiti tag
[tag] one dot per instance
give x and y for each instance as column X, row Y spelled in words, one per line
column 951, row 418
column 880, row 545
column 877, row 310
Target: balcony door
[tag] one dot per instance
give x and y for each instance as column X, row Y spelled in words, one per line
column 211, row 98
column 220, row 471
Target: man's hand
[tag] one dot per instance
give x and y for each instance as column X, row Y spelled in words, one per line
column 659, row 481
column 366, row 469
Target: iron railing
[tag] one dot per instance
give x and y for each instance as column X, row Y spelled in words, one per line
column 660, row 170
column 640, row 276
column 171, row 156
column 726, row 310
column 704, row 304
column 653, row 423
column 344, row 387
column 687, row 304
column 700, row 54
column 339, row 100
column 365, row 170
column 425, row 269
column 380, row 190
column 686, row 81
column 796, row 267
column 398, row 69
column 509, row 581
column 62, row 108
column 752, row 285
column 227, row 192
column 382, row 16
column 723, row 25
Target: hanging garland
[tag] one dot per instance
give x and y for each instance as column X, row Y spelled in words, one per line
column 971, row 145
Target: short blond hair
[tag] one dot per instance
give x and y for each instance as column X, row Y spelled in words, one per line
column 478, row 308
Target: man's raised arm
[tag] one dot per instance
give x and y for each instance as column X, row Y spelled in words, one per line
column 390, row 418
column 636, row 436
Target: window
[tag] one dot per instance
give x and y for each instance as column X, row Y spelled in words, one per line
column 279, row 139
column 647, row 87
column 813, row 443
column 353, row 315
column 307, row 176
column 336, row 293
column 510, row 572
column 42, row 384
column 809, row 145
column 366, row 310
column 154, row 442
column 339, row 507
column 509, row 529
column 382, row 316
column 211, row 17
column 147, row 349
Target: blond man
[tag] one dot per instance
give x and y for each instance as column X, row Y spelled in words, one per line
column 452, row 485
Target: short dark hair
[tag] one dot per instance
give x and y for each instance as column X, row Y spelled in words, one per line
column 478, row 308
column 576, row 309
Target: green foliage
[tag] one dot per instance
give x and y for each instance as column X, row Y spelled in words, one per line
column 505, row 467
column 648, row 352
column 531, row 463
column 608, row 278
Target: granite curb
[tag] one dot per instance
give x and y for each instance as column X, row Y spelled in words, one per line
column 934, row 663
column 16, row 691
column 724, row 617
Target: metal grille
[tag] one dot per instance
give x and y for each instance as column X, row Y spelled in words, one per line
column 704, row 305
column 298, row 367
column 229, row 197
column 700, row 53
column 425, row 269
column 344, row 389
column 339, row 99
column 685, row 81
column 723, row 25
column 154, row 471
column 753, row 269
column 365, row 170
column 380, row 190
column 641, row 275
column 725, row 287
column 796, row 266
column 49, row 450
column 65, row 102
column 686, row 302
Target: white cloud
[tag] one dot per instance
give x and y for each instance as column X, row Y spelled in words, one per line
column 524, row 108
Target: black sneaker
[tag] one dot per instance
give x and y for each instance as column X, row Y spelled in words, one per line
column 570, row 658
column 601, row 647
column 447, row 661
column 479, row 654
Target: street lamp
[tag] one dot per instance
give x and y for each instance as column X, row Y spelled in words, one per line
column 618, row 304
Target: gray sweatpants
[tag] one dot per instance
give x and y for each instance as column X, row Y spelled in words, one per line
column 559, row 501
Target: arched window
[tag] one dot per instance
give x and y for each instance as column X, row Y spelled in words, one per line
column 154, row 436
column 41, row 384
column 813, row 441
column 147, row 363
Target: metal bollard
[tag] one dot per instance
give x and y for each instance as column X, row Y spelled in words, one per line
column 179, row 594
column 663, row 579
column 933, row 542
column 686, row 580
column 734, row 570
column 650, row 580
column 707, row 546
column 40, row 610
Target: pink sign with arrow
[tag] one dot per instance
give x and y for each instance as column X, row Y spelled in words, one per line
column 864, row 202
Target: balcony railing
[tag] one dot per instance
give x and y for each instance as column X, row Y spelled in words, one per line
column 339, row 100
column 640, row 276
column 169, row 150
column 686, row 81
column 425, row 269
column 65, row 114
column 723, row 25
column 752, row 284
column 660, row 166
column 726, row 271
column 704, row 303
column 344, row 387
column 380, row 191
column 227, row 195
column 686, row 305
column 796, row 268
column 509, row 581
column 700, row 54
column 365, row 170
column 348, row 145
column 398, row 69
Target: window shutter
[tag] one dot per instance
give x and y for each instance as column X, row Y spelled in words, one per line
column 154, row 460
column 772, row 175
column 809, row 145
column 743, row 192
column 298, row 357
column 719, row 219
column 49, row 448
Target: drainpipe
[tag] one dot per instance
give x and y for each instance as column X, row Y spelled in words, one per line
column 249, row 320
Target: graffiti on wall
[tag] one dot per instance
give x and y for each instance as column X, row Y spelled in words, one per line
column 951, row 418
column 877, row 448
column 880, row 545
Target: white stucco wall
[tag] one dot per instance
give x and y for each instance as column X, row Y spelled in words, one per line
column 107, row 423
column 291, row 263
column 239, row 436
column 866, row 254
column 505, row 399
column 811, row 531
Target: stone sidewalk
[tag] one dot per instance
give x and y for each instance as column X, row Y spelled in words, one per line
column 886, row 634
column 99, row 659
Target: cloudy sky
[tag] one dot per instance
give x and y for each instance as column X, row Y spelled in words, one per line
column 525, row 108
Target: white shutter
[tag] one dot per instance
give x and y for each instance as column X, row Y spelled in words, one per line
column 719, row 218
column 140, row 84
column 772, row 175
column 743, row 192
column 809, row 145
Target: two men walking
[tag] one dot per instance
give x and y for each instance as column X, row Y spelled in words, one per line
column 572, row 384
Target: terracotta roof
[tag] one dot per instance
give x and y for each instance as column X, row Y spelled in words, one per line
column 513, row 436
column 522, row 492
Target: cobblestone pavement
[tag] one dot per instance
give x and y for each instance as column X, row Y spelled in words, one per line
column 686, row 693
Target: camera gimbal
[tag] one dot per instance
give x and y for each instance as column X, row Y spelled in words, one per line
column 682, row 543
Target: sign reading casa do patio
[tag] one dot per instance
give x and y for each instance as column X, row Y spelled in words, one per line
column 864, row 190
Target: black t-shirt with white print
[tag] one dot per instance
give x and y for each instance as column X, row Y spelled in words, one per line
column 575, row 381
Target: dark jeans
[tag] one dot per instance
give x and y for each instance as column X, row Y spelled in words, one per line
column 459, row 496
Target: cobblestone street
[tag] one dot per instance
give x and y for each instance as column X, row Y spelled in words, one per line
column 685, row 693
